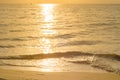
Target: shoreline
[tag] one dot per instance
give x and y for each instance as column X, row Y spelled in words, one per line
column 7, row 74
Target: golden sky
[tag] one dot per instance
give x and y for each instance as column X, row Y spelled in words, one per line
column 60, row 1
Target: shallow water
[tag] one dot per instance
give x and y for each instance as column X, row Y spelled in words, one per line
column 60, row 37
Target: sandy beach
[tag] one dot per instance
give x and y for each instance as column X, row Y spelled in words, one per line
column 34, row 75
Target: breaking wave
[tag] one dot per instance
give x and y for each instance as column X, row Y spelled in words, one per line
column 99, row 61
column 62, row 54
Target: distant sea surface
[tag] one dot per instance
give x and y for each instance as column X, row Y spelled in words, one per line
column 51, row 37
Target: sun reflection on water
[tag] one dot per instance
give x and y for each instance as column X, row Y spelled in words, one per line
column 46, row 31
column 48, row 65
column 46, row 46
column 47, row 11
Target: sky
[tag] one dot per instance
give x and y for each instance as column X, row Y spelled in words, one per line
column 63, row 1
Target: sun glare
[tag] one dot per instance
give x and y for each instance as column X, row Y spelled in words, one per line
column 48, row 65
column 47, row 11
column 47, row 30
column 46, row 46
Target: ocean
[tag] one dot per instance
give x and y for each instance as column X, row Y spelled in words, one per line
column 60, row 38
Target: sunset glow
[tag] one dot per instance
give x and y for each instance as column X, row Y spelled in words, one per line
column 63, row 1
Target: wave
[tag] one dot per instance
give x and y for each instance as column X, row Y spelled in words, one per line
column 17, row 24
column 9, row 46
column 19, row 30
column 99, row 65
column 107, row 68
column 19, row 39
column 66, row 36
column 83, row 42
column 105, row 62
column 62, row 54
column 103, row 24
column 8, row 64
column 62, row 36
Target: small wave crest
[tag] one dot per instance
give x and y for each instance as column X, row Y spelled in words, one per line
column 99, row 61
column 19, row 30
column 99, row 65
column 62, row 54
column 21, row 65
column 19, row 39
column 66, row 36
column 74, row 43
column 107, row 68
column 103, row 24
column 9, row 46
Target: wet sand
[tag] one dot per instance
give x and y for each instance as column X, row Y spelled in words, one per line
column 6, row 74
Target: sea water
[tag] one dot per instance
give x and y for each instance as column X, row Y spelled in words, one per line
column 54, row 37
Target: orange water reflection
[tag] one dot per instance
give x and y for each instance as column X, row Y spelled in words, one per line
column 47, row 30
column 48, row 65
column 47, row 27
column 47, row 12
column 46, row 46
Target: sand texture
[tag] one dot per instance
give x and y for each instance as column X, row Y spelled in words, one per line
column 34, row 75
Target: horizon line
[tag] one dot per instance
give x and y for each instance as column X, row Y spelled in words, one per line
column 61, row 3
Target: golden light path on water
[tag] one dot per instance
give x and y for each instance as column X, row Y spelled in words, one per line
column 48, row 19
column 47, row 30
